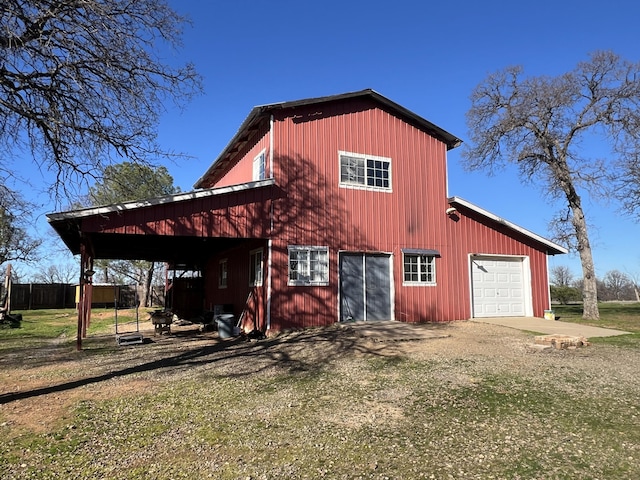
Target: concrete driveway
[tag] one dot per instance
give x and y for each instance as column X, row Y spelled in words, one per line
column 540, row 325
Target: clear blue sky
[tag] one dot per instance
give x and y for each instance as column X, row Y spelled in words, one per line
column 426, row 56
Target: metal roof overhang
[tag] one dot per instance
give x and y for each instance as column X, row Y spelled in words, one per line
column 551, row 247
column 183, row 251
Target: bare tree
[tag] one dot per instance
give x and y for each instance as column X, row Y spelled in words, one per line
column 57, row 273
column 628, row 184
column 538, row 123
column 635, row 284
column 84, row 81
column 561, row 276
column 15, row 241
column 617, row 284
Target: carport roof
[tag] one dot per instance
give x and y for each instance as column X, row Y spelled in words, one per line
column 179, row 250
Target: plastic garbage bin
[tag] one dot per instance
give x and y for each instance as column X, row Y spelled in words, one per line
column 226, row 325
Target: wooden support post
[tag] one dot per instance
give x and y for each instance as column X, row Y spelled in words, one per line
column 85, row 293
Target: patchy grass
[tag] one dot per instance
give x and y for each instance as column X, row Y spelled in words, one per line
column 620, row 316
column 41, row 326
column 325, row 403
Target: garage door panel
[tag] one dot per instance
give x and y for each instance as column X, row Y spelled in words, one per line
column 498, row 287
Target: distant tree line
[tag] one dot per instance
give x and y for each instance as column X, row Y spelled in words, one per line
column 613, row 286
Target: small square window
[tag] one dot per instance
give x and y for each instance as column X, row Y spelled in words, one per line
column 419, row 269
column 365, row 171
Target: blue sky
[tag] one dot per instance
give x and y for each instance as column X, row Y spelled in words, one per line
column 426, row 56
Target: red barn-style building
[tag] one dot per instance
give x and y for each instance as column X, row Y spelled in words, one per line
column 326, row 210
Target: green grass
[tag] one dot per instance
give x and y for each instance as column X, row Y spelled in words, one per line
column 620, row 316
column 41, row 326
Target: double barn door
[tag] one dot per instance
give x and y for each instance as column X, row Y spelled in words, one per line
column 365, row 287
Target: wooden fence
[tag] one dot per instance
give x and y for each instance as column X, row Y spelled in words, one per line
column 33, row 296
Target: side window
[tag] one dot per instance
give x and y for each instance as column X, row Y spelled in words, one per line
column 308, row 265
column 223, row 273
column 255, row 268
column 259, row 166
column 419, row 267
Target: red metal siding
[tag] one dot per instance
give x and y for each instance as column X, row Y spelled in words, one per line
column 308, row 207
column 470, row 234
column 242, row 172
column 237, row 292
column 317, row 212
column 232, row 215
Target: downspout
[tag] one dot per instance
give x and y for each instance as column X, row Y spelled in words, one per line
column 268, row 313
column 546, row 256
column 271, row 123
column 270, row 241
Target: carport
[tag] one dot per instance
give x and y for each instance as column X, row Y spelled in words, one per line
column 181, row 230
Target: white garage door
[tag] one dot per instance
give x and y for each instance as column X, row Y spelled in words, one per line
column 498, row 287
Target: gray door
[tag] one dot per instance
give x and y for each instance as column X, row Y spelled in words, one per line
column 365, row 287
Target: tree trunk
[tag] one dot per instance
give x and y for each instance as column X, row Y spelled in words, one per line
column 147, row 284
column 564, row 180
column 589, row 287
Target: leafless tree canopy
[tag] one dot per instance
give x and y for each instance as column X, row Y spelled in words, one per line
column 82, row 81
column 15, row 241
column 561, row 276
column 539, row 123
column 58, row 273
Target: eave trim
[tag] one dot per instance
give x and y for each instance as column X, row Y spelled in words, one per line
column 552, row 248
column 179, row 197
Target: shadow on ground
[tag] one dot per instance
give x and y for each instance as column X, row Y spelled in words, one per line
column 190, row 349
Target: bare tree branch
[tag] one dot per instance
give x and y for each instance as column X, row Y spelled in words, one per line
column 84, row 81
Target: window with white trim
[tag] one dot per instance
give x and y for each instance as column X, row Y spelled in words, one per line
column 260, row 166
column 223, row 273
column 308, row 265
column 419, row 267
column 255, row 268
column 365, row 171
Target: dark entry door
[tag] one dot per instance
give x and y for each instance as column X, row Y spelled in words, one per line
column 365, row 286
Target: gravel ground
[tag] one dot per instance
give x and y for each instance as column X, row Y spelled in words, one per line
column 474, row 401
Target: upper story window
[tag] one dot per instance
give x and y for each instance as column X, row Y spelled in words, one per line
column 365, row 171
column 419, row 267
column 308, row 265
column 255, row 268
column 260, row 166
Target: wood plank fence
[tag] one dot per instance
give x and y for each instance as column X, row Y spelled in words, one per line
column 34, row 296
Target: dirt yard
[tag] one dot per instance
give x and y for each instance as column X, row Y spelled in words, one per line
column 38, row 387
column 507, row 387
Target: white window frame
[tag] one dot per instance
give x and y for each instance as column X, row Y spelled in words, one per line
column 223, row 273
column 260, row 166
column 365, row 172
column 307, row 272
column 430, row 256
column 256, row 267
